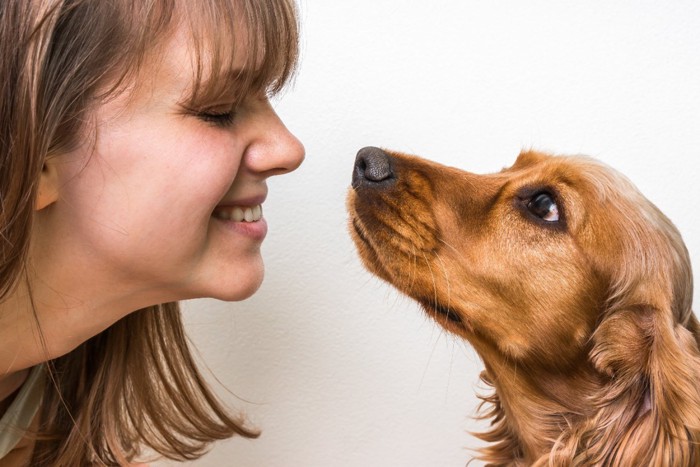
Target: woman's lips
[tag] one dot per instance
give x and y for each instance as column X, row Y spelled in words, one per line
column 245, row 220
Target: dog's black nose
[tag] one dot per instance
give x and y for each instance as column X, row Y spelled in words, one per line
column 373, row 167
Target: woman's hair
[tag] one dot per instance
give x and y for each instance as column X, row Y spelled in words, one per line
column 134, row 388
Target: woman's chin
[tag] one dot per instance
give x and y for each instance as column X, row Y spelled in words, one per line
column 237, row 290
column 231, row 282
column 237, row 295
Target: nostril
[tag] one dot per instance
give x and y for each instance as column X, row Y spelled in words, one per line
column 372, row 166
column 361, row 166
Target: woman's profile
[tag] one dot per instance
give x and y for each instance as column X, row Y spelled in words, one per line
column 136, row 138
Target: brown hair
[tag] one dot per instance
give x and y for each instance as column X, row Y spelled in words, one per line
column 57, row 59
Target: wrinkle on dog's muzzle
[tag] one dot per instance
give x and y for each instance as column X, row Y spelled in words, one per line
column 373, row 168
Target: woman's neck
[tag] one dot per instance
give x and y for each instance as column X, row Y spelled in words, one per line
column 60, row 313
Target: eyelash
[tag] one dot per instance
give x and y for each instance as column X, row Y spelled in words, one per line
column 220, row 119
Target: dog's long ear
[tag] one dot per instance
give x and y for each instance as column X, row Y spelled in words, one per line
column 646, row 347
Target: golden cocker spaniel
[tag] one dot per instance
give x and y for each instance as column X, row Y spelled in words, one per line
column 575, row 290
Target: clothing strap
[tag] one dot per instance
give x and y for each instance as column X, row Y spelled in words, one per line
column 19, row 415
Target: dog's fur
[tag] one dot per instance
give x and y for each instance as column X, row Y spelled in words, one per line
column 584, row 325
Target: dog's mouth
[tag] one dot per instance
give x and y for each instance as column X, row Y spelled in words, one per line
column 444, row 315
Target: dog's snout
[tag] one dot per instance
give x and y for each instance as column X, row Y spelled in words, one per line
column 373, row 167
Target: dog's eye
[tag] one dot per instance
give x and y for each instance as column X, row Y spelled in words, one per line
column 544, row 207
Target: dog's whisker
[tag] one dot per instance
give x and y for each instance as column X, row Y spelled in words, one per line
column 427, row 363
column 414, row 270
column 436, row 303
column 447, row 285
column 432, row 277
column 442, row 240
column 447, row 279
column 452, row 362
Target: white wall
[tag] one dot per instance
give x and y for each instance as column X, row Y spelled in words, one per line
column 336, row 368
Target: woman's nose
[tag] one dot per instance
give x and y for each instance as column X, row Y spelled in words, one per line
column 276, row 150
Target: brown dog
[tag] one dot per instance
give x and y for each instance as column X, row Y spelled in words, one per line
column 573, row 288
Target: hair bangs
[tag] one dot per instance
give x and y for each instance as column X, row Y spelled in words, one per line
column 268, row 33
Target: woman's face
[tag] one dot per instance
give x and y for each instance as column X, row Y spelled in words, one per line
column 152, row 208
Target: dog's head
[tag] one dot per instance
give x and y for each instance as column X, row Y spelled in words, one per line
column 556, row 266
column 528, row 261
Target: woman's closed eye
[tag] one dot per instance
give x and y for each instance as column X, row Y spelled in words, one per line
column 220, row 118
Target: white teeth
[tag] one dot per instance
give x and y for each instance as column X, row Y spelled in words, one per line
column 239, row 214
column 236, row 214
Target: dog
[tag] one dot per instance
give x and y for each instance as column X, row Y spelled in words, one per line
column 573, row 288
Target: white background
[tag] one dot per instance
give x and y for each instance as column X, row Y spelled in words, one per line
column 333, row 366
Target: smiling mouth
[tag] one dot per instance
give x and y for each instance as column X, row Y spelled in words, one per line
column 238, row 213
